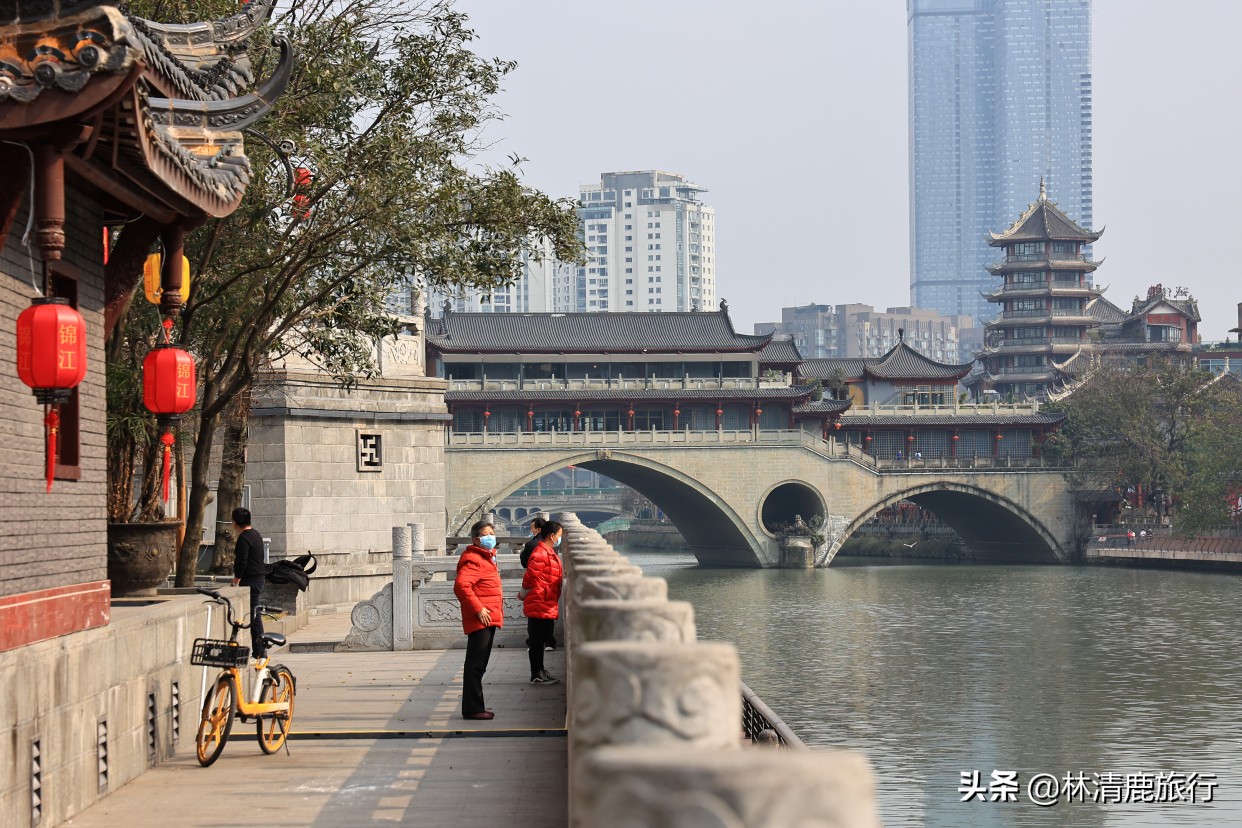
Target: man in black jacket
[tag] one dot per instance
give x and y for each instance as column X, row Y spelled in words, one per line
column 250, row 570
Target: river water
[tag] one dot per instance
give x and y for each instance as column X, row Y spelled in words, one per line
column 933, row 671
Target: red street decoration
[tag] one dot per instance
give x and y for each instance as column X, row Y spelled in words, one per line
column 837, row 425
column 51, row 360
column 167, row 439
column 302, row 178
column 51, row 349
column 910, row 437
column 169, row 389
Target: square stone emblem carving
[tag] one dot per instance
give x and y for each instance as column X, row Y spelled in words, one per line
column 370, row 452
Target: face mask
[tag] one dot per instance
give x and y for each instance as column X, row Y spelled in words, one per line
column 488, row 541
column 557, row 544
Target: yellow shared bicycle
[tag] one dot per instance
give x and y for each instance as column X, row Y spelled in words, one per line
column 272, row 688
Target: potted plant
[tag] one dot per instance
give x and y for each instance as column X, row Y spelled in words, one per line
column 142, row 544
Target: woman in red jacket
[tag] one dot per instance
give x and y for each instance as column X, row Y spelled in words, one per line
column 541, row 594
column 477, row 587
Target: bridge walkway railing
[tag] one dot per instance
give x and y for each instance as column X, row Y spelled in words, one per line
column 830, row 449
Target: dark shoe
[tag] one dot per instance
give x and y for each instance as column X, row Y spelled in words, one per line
column 545, row 678
column 486, row 715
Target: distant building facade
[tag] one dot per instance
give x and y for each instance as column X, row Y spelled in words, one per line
column 1000, row 96
column 546, row 285
column 651, row 245
column 857, row 330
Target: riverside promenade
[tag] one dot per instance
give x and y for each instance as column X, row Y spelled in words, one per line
column 377, row 739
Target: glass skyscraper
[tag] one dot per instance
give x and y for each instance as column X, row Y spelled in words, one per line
column 1000, row 97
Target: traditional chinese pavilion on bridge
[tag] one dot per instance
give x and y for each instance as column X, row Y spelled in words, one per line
column 692, row 371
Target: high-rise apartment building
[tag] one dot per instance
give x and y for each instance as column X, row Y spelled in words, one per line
column 856, row 330
column 546, row 285
column 651, row 244
column 1000, row 97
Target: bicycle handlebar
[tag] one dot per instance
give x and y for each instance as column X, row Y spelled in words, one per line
column 257, row 610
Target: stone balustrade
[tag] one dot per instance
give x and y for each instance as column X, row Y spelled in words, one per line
column 655, row 716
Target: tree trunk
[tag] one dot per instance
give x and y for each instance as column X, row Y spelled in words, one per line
column 150, row 506
column 232, row 480
column 187, row 559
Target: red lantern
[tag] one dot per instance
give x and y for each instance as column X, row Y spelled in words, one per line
column 837, row 426
column 956, row 438
column 169, row 386
column 910, row 438
column 168, row 381
column 302, row 178
column 51, row 349
column 51, row 360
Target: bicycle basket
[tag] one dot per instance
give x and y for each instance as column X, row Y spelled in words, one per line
column 210, row 652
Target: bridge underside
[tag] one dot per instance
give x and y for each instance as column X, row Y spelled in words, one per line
column 712, row 537
column 991, row 531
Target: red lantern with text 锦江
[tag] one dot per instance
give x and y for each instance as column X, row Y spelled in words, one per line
column 168, row 391
column 51, row 359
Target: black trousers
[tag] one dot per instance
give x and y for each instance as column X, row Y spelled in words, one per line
column 478, row 653
column 257, row 648
column 538, row 636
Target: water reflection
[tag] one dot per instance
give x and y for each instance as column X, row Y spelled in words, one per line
column 934, row 670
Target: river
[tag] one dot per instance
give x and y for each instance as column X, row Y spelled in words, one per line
column 933, row 671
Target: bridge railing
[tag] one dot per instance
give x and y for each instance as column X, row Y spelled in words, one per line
column 621, row 383
column 552, row 439
column 761, row 724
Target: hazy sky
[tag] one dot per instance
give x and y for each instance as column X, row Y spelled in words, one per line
column 793, row 115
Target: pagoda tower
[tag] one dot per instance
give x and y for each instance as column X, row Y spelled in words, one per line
column 1045, row 303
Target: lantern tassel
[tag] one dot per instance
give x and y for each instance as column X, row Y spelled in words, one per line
column 52, row 421
column 167, row 440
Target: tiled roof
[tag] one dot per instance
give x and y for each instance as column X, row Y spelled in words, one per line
column 1105, row 311
column 822, row 407
column 603, row 394
column 903, row 362
column 851, row 368
column 855, row 420
column 1042, row 221
column 1187, row 307
column 780, row 351
column 690, row 332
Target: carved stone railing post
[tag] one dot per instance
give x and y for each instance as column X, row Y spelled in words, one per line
column 750, row 788
column 655, row 719
column 418, row 540
column 402, row 588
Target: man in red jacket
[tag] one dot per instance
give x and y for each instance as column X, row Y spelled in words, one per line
column 541, row 595
column 477, row 587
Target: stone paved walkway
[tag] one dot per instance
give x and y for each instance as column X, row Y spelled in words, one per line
column 378, row 739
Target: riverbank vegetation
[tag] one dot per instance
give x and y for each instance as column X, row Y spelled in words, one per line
column 1164, row 436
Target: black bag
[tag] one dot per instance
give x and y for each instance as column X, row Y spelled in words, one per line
column 296, row 571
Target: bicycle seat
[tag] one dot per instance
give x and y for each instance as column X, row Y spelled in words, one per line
column 273, row 639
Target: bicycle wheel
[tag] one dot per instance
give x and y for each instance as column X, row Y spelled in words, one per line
column 274, row 727
column 217, row 721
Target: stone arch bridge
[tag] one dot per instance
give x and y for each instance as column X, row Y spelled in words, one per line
column 730, row 493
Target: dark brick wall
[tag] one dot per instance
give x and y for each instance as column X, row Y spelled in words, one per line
column 59, row 539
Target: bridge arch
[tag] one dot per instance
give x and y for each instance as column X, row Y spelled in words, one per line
column 715, row 532
column 993, row 526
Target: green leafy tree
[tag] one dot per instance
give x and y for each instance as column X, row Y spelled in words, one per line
column 385, row 108
column 1166, row 428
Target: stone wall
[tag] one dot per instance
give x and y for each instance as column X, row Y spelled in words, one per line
column 331, row 470
column 50, row 543
column 87, row 713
